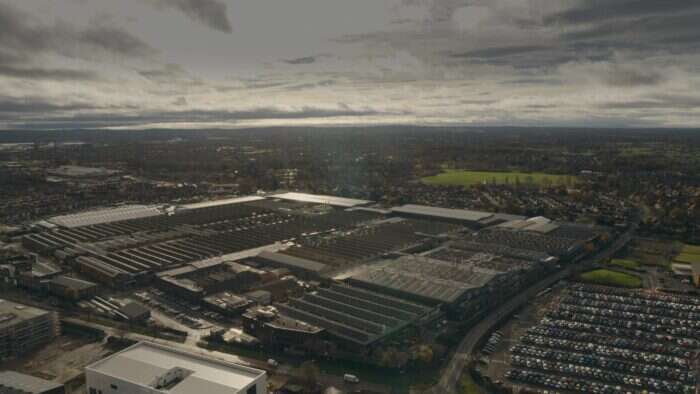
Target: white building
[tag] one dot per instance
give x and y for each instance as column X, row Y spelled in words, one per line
column 147, row 368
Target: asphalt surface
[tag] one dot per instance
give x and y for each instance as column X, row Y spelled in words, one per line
column 453, row 371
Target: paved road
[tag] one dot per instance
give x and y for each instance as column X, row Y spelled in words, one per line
column 453, row 371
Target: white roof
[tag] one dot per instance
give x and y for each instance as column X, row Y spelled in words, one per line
column 214, row 203
column 106, row 215
column 144, row 362
column 321, row 199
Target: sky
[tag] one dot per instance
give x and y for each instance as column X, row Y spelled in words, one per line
column 131, row 64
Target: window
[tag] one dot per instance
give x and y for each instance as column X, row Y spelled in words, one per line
column 93, row 391
column 252, row 390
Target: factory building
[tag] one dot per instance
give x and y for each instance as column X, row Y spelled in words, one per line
column 18, row 383
column 147, row 368
column 24, row 329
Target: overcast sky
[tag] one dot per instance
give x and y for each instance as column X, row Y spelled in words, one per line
column 232, row 63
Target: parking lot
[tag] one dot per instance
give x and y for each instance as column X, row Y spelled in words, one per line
column 597, row 339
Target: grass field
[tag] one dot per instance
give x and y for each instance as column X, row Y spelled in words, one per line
column 625, row 263
column 610, row 278
column 467, row 385
column 688, row 258
column 690, row 249
column 467, row 178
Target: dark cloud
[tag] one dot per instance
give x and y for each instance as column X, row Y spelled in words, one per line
column 531, row 81
column 22, row 42
column 32, row 105
column 657, row 101
column 57, row 74
column 114, row 41
column 311, row 85
column 621, row 76
column 212, row 13
column 167, row 73
column 600, row 10
column 302, row 60
column 499, row 52
column 49, row 119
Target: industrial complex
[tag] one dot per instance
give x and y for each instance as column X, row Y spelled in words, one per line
column 293, row 274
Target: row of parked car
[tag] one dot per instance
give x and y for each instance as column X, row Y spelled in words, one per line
column 672, row 298
column 598, row 374
column 563, row 382
column 634, row 299
column 587, row 338
column 609, row 318
column 493, row 341
column 608, row 340
column 663, row 360
column 606, row 363
column 660, row 309
column 616, row 331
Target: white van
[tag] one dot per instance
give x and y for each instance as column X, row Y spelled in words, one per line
column 351, row 378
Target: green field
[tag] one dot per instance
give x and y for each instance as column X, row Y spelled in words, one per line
column 467, row 385
column 624, row 263
column 467, row 178
column 688, row 258
column 691, row 249
column 610, row 278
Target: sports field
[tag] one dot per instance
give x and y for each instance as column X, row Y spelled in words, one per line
column 625, row 263
column 611, row 278
column 467, row 178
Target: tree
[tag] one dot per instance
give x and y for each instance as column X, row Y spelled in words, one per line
column 309, row 373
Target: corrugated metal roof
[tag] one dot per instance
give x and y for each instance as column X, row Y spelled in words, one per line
column 291, row 261
column 106, row 215
column 321, row 199
column 444, row 213
column 26, row 383
column 215, row 203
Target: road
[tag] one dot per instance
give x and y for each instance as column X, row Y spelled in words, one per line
column 453, row 371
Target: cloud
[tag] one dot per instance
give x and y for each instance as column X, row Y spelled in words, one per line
column 499, row 52
column 31, row 105
column 18, row 34
column 57, row 74
column 622, row 76
column 180, row 101
column 657, row 101
column 49, row 115
column 23, row 41
column 302, row 60
column 212, row 13
column 602, row 10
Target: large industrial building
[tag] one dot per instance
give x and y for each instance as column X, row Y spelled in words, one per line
column 18, row 383
column 24, row 329
column 370, row 272
column 147, row 368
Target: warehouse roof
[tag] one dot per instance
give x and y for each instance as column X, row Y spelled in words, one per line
column 442, row 213
column 227, row 201
column 21, row 383
column 424, row 277
column 108, row 215
column 321, row 199
column 291, row 262
column 80, row 171
column 12, row 313
column 72, row 283
column 144, row 363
